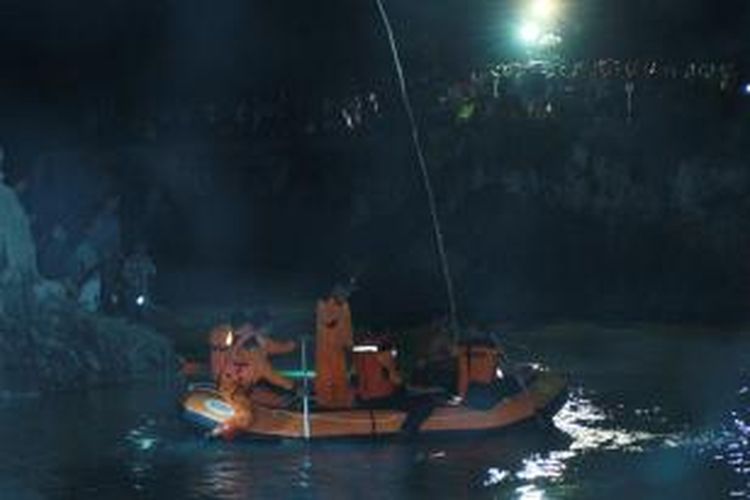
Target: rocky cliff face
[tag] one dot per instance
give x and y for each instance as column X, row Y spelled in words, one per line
column 18, row 271
column 46, row 341
column 63, row 350
column 596, row 218
column 576, row 214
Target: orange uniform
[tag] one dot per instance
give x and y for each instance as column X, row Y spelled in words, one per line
column 333, row 344
column 249, row 367
column 238, row 369
column 476, row 364
column 221, row 341
column 231, row 360
column 377, row 375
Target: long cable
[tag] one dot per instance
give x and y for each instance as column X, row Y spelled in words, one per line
column 425, row 174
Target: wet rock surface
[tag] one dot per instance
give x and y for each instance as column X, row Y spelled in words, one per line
column 70, row 349
column 47, row 342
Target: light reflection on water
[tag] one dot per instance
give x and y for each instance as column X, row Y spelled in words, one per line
column 142, row 440
column 529, row 492
column 591, row 430
column 729, row 446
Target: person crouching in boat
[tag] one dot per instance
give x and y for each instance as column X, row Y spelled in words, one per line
column 477, row 364
column 333, row 339
column 485, row 374
column 379, row 383
column 239, row 362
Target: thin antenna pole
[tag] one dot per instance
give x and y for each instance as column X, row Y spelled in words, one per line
column 306, row 394
column 425, row 175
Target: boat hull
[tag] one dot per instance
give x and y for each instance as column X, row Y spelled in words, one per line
column 542, row 398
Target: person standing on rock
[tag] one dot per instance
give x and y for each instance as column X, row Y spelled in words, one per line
column 138, row 271
column 18, row 267
column 55, row 255
column 97, row 257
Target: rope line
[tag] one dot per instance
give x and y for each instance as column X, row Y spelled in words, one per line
column 439, row 241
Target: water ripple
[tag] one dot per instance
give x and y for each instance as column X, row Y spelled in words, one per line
column 591, row 430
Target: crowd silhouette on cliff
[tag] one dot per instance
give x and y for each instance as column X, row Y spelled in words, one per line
column 515, row 89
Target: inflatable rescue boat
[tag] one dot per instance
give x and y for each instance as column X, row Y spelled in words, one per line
column 539, row 394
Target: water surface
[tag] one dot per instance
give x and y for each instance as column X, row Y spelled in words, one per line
column 651, row 415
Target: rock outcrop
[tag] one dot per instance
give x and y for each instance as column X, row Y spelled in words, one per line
column 18, row 271
column 69, row 349
column 46, row 341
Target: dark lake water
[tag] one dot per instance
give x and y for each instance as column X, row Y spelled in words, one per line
column 651, row 415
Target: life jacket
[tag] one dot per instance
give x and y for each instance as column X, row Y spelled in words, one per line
column 377, row 373
column 476, row 364
column 248, row 367
column 245, row 363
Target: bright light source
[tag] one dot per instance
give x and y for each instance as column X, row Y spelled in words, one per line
column 140, row 300
column 746, row 89
column 365, row 348
column 530, row 33
column 544, row 9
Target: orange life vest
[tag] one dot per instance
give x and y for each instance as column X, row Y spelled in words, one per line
column 232, row 363
column 476, row 364
column 377, row 375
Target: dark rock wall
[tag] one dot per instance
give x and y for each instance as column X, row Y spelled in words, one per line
column 576, row 212
column 64, row 350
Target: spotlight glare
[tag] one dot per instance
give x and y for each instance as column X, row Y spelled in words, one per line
column 543, row 9
column 530, row 33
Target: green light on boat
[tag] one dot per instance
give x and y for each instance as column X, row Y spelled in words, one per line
column 298, row 373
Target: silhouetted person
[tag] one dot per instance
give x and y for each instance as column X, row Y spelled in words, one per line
column 54, row 255
column 18, row 268
column 137, row 273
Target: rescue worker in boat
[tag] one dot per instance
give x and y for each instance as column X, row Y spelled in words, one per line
column 379, row 383
column 239, row 362
column 484, row 374
column 334, row 339
column 434, row 359
column 478, row 363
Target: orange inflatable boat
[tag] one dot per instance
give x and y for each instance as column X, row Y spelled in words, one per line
column 540, row 395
